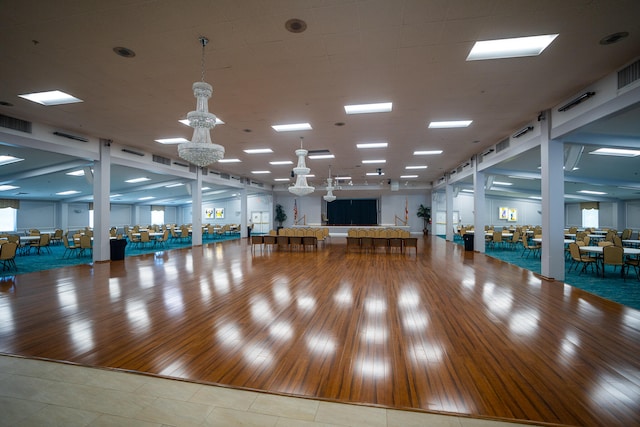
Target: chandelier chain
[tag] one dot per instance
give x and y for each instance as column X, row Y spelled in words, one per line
column 203, row 41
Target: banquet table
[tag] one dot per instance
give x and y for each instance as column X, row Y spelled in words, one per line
column 598, row 250
column 539, row 240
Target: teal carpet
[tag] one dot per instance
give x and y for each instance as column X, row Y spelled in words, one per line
column 46, row 261
column 611, row 287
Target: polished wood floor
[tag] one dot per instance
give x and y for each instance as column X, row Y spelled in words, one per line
column 442, row 330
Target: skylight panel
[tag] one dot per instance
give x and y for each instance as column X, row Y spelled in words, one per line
column 291, row 127
column 53, row 97
column 381, row 107
column 620, row 152
column 510, row 48
column 7, row 159
column 450, row 124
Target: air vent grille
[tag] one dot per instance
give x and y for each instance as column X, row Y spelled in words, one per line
column 502, row 145
column 15, row 124
column 161, row 160
column 225, row 176
column 629, row 74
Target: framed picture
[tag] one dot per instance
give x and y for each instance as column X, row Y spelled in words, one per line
column 503, row 213
column 219, row 213
column 208, row 213
column 513, row 215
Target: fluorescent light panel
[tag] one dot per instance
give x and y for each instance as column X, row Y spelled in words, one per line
column 258, row 150
column 281, row 162
column 281, row 179
column 52, row 97
column 172, row 140
column 375, row 174
column 450, row 124
column 598, row 193
column 291, row 127
column 135, row 180
column 427, row 152
column 373, row 145
column 8, row 187
column 501, row 183
column 67, row 193
column 179, row 184
column 146, row 198
column 342, row 178
column 7, row 159
column 510, row 48
column 466, row 190
column 260, row 172
column 381, row 107
column 229, row 161
column 616, row 152
column 416, row 167
column 79, row 172
column 374, row 161
column 408, row 176
column 321, row 156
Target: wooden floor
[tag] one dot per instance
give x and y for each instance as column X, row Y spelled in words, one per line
column 444, row 330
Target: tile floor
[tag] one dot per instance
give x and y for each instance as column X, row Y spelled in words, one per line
column 41, row 393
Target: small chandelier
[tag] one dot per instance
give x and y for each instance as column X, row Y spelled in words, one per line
column 329, row 197
column 201, row 151
column 301, row 188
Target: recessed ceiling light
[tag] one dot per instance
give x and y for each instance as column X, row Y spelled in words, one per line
column 53, row 97
column 172, row 140
column 502, row 183
column 510, row 48
column 79, row 172
column 373, row 145
column 616, row 152
column 321, row 156
column 408, row 176
column 135, row 180
column 258, row 150
column 179, row 184
column 7, row 160
column 229, row 161
column 291, row 127
column 450, row 124
column 342, row 178
column 186, row 121
column 281, row 162
column 146, row 198
column 427, row 152
column 381, row 107
column 375, row 173
column 416, row 167
column 598, row 193
column 374, row 161
column 281, row 179
column 8, row 187
column 260, row 172
column 67, row 193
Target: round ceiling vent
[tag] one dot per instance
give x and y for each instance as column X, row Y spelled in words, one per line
column 614, row 38
column 124, row 52
column 295, row 25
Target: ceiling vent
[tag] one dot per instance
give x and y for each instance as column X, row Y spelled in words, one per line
column 161, row 160
column 502, row 145
column 225, row 176
column 629, row 74
column 15, row 124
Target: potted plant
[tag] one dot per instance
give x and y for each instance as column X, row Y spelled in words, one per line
column 425, row 213
column 280, row 215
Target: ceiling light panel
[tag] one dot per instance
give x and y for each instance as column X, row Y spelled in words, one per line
column 373, row 145
column 258, row 150
column 260, row 172
column 449, row 124
column 281, row 162
column 427, row 152
column 616, row 152
column 8, row 187
column 7, row 160
column 374, row 161
column 381, row 107
column 136, row 180
column 171, row 140
column 53, row 97
column 510, row 48
column 408, row 176
column 67, row 193
column 321, row 156
column 291, row 127
column 416, row 167
column 229, row 161
column 597, row 193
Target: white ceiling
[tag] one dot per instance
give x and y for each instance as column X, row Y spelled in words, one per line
column 409, row 52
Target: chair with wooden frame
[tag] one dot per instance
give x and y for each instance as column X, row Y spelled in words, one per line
column 7, row 256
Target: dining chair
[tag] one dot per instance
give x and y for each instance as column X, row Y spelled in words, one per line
column 497, row 238
column 162, row 240
column 613, row 255
column 42, row 244
column 69, row 248
column 57, row 236
column 578, row 258
column 145, row 240
column 530, row 248
column 7, row 256
column 85, row 245
column 635, row 263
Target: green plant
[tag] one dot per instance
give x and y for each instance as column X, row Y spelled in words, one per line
column 424, row 213
column 280, row 215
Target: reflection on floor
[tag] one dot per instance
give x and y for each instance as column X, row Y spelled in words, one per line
column 42, row 393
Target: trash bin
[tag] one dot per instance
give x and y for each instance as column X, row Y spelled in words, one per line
column 468, row 241
column 117, row 249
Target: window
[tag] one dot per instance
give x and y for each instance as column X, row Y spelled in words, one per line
column 590, row 218
column 157, row 217
column 8, row 219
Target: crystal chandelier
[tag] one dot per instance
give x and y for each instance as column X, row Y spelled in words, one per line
column 201, row 151
column 329, row 197
column 301, row 188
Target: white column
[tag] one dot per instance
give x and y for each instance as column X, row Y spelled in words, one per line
column 244, row 213
column 196, row 209
column 449, row 209
column 552, row 186
column 101, row 203
column 478, row 210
